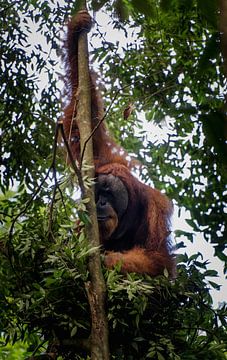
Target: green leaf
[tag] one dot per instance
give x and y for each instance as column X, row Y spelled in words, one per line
column 211, row 273
column 74, row 331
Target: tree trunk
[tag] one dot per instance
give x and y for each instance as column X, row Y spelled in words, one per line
column 223, row 32
column 96, row 288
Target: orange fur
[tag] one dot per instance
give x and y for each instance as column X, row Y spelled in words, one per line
column 144, row 247
column 150, row 252
column 141, row 261
column 103, row 144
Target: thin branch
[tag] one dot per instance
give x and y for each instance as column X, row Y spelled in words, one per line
column 56, row 185
column 8, row 7
column 52, row 167
column 160, row 91
column 72, row 120
column 72, row 161
column 109, row 108
column 37, row 190
column 36, row 349
column 100, row 122
column 223, row 32
column 27, row 206
column 5, row 214
column 55, row 181
column 10, row 248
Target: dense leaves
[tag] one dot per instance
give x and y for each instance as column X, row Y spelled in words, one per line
column 171, row 71
column 163, row 320
column 29, row 95
column 148, row 318
column 174, row 74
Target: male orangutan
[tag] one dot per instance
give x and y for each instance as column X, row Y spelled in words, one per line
column 133, row 218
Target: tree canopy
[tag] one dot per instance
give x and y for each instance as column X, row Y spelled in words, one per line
column 173, row 70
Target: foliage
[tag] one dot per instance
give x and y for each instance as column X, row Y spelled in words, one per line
column 42, row 265
column 16, row 352
column 173, row 74
column 164, row 320
column 29, row 93
column 43, row 298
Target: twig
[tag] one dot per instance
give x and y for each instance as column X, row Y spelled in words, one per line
column 55, row 180
column 100, row 122
column 72, row 120
column 72, row 161
column 108, row 110
column 10, row 248
column 52, row 167
column 8, row 7
column 56, row 185
column 5, row 214
column 27, row 206
column 36, row 349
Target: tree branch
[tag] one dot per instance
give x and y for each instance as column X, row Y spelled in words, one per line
column 96, row 289
column 223, row 32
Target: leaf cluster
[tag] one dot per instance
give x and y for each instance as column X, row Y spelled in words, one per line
column 43, row 271
column 29, row 92
column 173, row 74
column 43, row 298
column 158, row 319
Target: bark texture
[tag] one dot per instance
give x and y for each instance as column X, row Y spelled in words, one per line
column 96, row 289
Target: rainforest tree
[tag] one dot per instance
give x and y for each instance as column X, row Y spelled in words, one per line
column 171, row 69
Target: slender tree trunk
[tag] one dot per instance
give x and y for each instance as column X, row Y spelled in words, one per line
column 223, row 32
column 223, row 35
column 96, row 288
